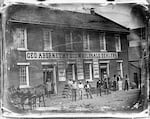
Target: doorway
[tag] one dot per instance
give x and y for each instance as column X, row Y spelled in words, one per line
column 104, row 69
column 49, row 74
column 71, row 71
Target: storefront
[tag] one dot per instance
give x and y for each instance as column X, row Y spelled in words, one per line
column 83, row 66
column 48, row 46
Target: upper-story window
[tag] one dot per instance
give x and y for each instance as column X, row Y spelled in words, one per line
column 20, row 38
column 102, row 41
column 47, row 37
column 68, row 41
column 86, row 41
column 118, row 43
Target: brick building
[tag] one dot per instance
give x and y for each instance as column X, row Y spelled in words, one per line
column 45, row 43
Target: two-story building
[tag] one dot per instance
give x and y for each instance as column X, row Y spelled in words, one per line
column 44, row 43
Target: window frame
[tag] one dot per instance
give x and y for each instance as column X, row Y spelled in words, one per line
column 104, row 40
column 118, row 41
column 90, row 70
column 73, row 65
column 25, row 39
column 27, row 75
column 86, row 36
column 50, row 48
column 70, row 41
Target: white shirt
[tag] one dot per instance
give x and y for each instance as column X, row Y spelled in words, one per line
column 81, row 86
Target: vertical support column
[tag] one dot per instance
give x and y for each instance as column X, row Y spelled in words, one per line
column 73, row 71
column 4, row 77
column 55, row 83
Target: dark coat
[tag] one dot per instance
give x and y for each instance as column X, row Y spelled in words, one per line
column 99, row 84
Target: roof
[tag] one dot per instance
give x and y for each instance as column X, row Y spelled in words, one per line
column 37, row 15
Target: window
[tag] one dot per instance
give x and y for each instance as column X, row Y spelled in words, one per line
column 119, row 68
column 118, row 43
column 102, row 42
column 86, row 41
column 68, row 41
column 47, row 39
column 71, row 74
column 88, row 71
column 23, row 75
column 20, row 38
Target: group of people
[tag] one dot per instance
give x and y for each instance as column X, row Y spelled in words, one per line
column 76, row 88
column 118, row 82
column 79, row 88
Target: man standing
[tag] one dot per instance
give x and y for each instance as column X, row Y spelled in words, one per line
column 98, row 86
column 81, row 87
column 70, row 82
column 49, row 87
column 126, row 83
column 106, row 86
column 115, row 83
column 74, row 91
column 88, row 89
column 120, row 83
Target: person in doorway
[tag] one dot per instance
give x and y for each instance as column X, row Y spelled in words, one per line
column 49, row 87
column 98, row 86
column 126, row 83
column 74, row 91
column 88, row 89
column 81, row 87
column 120, row 82
column 106, row 85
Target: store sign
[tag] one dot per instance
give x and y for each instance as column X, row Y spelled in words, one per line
column 95, row 68
column 61, row 71
column 80, row 73
column 70, row 55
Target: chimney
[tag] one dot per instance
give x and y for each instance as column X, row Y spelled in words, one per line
column 92, row 11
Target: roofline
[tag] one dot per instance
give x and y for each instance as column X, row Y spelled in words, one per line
column 112, row 21
column 60, row 25
column 45, row 6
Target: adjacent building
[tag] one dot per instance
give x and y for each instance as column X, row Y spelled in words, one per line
column 44, row 43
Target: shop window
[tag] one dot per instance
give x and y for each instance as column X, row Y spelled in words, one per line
column 118, row 43
column 20, row 38
column 86, row 41
column 119, row 68
column 68, row 41
column 47, row 39
column 102, row 42
column 88, row 71
column 23, row 75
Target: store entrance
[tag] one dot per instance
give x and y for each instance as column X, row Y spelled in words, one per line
column 104, row 69
column 49, row 75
